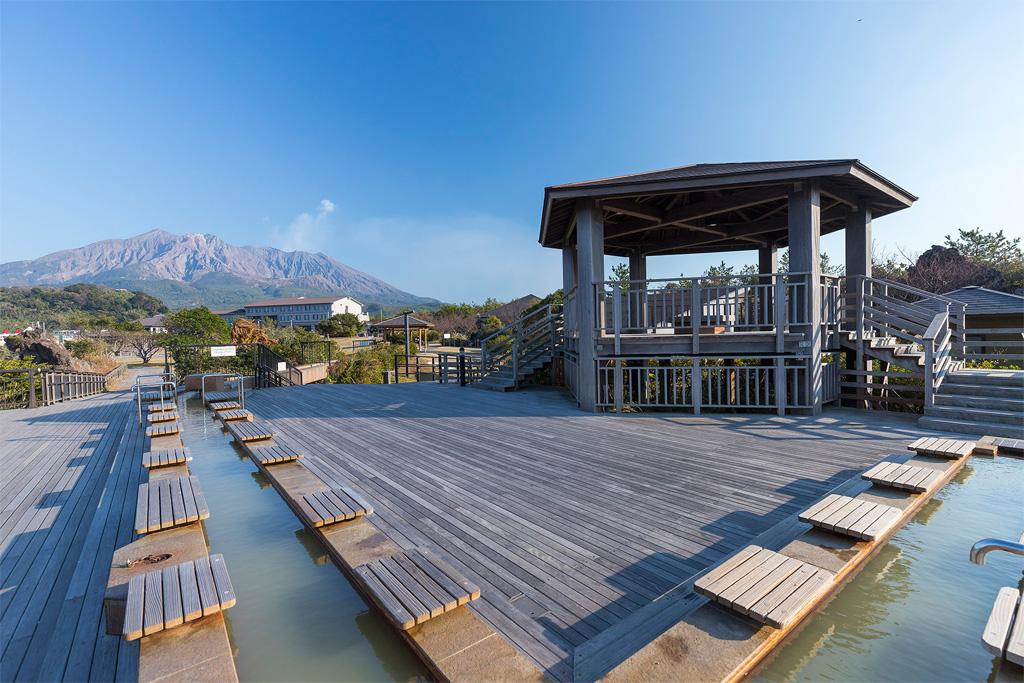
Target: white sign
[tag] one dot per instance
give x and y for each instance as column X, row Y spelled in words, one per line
column 447, row 335
column 282, row 366
column 221, row 351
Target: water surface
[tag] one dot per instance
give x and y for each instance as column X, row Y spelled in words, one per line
column 297, row 618
column 917, row 609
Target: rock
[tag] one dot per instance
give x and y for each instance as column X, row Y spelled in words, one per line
column 42, row 349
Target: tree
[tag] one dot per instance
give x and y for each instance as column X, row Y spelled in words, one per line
column 827, row 267
column 990, row 248
column 118, row 339
column 620, row 272
column 340, row 325
column 145, row 345
column 197, row 326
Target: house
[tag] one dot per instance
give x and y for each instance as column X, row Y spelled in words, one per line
column 995, row 323
column 154, row 324
column 300, row 311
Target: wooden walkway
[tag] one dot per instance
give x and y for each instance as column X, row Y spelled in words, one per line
column 69, row 476
column 568, row 521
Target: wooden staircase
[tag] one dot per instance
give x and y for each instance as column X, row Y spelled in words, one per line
column 985, row 402
column 517, row 351
column 924, row 333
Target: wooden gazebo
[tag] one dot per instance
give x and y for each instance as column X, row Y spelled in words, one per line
column 402, row 323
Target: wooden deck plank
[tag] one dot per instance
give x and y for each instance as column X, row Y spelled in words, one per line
column 208, row 597
column 173, row 615
column 533, row 498
column 225, row 591
column 192, row 606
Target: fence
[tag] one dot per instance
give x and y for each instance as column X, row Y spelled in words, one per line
column 315, row 352
column 443, row 368
column 753, row 382
column 32, row 387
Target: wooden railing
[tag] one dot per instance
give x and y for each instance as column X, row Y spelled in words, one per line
column 774, row 383
column 920, row 321
column 33, row 387
column 1000, row 346
column 766, row 302
column 536, row 334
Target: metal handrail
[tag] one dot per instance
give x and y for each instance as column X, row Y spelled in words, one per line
column 241, row 385
column 138, row 393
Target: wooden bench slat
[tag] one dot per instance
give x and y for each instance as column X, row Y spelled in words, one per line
column 763, row 587
column 134, row 606
column 853, row 517
column 166, row 513
column 249, row 431
column 343, row 506
column 717, row 573
column 217, row 406
column 433, row 606
column 425, row 558
column 729, row 596
column 191, row 605
column 173, row 615
column 444, row 597
column 797, row 601
column 163, row 458
column 163, row 429
column 153, row 613
column 392, row 608
column 202, row 510
column 162, row 416
column 235, row 414
column 225, row 591
column 1000, row 619
column 207, row 587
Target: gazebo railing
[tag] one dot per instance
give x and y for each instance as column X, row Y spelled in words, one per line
column 764, row 302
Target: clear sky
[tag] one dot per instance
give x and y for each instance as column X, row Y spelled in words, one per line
column 413, row 141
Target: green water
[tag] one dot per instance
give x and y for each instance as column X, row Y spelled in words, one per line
column 297, row 617
column 917, row 609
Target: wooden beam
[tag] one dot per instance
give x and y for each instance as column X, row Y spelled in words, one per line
column 632, row 208
column 703, row 209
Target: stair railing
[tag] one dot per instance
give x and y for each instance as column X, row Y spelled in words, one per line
column 937, row 355
column 520, row 342
column 274, row 370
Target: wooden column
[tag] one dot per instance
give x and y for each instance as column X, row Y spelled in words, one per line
column 636, row 300
column 858, row 242
column 805, row 257
column 589, row 270
column 568, row 282
column 768, row 260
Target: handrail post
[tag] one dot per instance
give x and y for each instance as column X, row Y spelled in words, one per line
column 859, row 312
column 780, row 312
column 929, row 372
column 780, row 386
column 31, row 387
column 515, row 362
column 696, row 385
column 462, row 366
column 618, row 385
column 695, row 315
column 617, row 317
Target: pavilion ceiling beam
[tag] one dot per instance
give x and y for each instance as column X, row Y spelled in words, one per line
column 703, row 209
column 746, row 235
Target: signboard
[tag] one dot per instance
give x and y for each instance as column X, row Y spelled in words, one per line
column 447, row 335
column 222, row 351
column 282, row 366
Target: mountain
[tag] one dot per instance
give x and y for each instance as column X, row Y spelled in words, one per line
column 193, row 269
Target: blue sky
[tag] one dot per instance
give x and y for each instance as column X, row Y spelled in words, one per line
column 413, row 141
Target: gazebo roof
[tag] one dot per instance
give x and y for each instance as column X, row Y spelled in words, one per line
column 715, row 207
column 398, row 322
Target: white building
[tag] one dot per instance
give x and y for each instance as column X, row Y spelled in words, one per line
column 304, row 311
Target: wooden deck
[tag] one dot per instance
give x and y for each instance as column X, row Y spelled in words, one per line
column 70, row 473
column 568, row 521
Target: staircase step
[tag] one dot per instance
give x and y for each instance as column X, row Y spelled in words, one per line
column 982, row 402
column 971, row 427
column 989, row 378
column 952, row 385
column 1010, row 417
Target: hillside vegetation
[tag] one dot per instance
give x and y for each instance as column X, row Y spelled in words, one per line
column 74, row 306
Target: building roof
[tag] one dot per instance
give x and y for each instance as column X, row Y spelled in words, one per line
column 228, row 311
column 984, row 301
column 153, row 321
column 398, row 322
column 715, row 207
column 295, row 300
column 514, row 309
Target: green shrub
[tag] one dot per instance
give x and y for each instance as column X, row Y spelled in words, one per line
column 365, row 366
column 81, row 348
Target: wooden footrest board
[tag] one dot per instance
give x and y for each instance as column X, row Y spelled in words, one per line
column 764, row 585
column 907, row 477
column 163, row 416
column 163, row 429
column 155, row 396
column 169, row 405
column 273, row 455
column 175, row 595
column 235, row 414
column 170, row 502
column 1004, row 632
column 945, row 448
column 1006, row 445
column 249, row 431
column 415, row 586
column 851, row 517
column 334, row 505
column 217, row 396
column 165, row 458
column 224, row 405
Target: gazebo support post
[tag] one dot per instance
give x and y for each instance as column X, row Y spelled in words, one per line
column 589, row 272
column 805, row 257
column 858, row 263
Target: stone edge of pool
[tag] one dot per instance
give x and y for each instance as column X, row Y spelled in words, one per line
column 709, row 643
